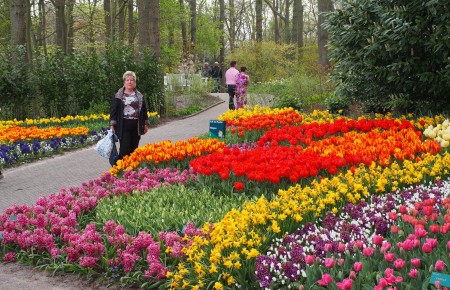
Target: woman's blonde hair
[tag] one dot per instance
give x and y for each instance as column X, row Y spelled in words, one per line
column 129, row 74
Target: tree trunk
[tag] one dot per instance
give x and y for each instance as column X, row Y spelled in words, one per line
column 258, row 25
column 322, row 34
column 107, row 11
column 286, row 21
column 131, row 32
column 143, row 24
column 121, row 21
column 154, row 27
column 70, row 33
column 232, row 28
column 29, row 55
column 42, row 36
column 222, row 41
column 297, row 24
column 18, row 25
column 61, row 26
column 193, row 12
column 184, row 30
column 275, row 23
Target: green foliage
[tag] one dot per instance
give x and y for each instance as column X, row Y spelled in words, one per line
column 165, row 209
column 265, row 61
column 58, row 84
column 392, row 55
column 301, row 91
column 336, row 103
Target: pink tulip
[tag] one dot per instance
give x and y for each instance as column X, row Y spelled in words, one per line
column 368, row 252
column 415, row 262
column 346, row 284
column 326, row 279
column 427, row 248
column 309, row 259
column 408, row 245
column 329, row 262
column 341, row 261
column 389, row 257
column 377, row 240
column 341, row 248
column 352, row 275
column 403, row 209
column 448, row 245
column 420, row 232
column 439, row 266
column 357, row 266
column 386, row 245
column 327, row 247
column 413, row 273
column 359, row 244
column 399, row 263
column 432, row 242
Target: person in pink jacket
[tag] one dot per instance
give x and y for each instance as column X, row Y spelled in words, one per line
column 230, row 79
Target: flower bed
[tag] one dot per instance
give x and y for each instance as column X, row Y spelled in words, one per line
column 312, row 171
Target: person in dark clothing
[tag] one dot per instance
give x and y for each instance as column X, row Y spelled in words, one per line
column 128, row 118
column 216, row 74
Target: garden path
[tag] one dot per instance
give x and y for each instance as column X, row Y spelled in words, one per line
column 24, row 184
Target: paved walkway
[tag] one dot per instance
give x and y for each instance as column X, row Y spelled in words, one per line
column 24, row 184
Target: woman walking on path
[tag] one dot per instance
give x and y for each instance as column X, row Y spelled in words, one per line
column 128, row 119
column 242, row 81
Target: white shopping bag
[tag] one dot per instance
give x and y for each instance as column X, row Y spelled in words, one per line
column 105, row 145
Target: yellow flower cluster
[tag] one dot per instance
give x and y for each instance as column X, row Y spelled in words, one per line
column 166, row 151
column 248, row 112
column 62, row 120
column 440, row 133
column 236, row 239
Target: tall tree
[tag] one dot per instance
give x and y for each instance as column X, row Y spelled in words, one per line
column 131, row 33
column 154, row 27
column 222, row 39
column 17, row 10
column 193, row 13
column 61, row 24
column 297, row 23
column 121, row 20
column 107, row 13
column 41, row 32
column 70, row 20
column 143, row 24
column 232, row 24
column 322, row 35
column 183, row 24
column 259, row 20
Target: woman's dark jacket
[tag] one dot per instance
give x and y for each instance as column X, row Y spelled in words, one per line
column 116, row 116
